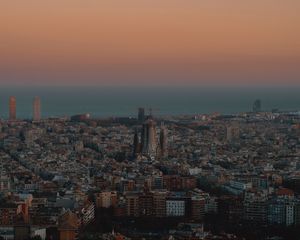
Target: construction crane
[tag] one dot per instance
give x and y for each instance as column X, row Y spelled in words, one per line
column 151, row 110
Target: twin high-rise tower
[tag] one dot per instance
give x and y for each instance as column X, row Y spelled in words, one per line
column 13, row 109
column 37, row 109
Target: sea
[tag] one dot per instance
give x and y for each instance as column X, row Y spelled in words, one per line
column 123, row 101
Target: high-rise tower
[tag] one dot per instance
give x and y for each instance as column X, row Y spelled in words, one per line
column 37, row 109
column 12, row 108
column 257, row 105
column 141, row 115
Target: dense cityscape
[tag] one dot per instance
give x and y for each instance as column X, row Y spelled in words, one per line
column 208, row 176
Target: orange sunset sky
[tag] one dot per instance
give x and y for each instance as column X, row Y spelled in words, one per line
column 149, row 42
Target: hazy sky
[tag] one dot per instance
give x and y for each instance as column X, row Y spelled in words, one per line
column 48, row 42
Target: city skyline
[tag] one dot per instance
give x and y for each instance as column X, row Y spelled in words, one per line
column 180, row 42
column 188, row 178
column 149, row 119
column 118, row 102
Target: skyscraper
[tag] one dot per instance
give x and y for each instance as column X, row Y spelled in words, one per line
column 36, row 109
column 12, row 108
column 257, row 105
column 141, row 115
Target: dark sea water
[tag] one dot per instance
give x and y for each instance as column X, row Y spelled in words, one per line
column 124, row 101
